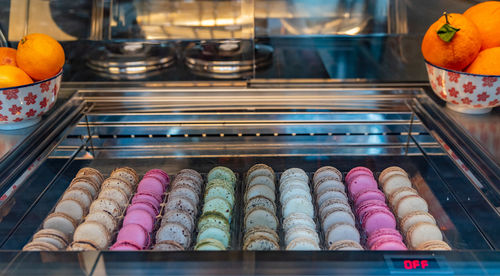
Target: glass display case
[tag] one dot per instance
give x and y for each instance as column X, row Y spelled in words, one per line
column 176, row 85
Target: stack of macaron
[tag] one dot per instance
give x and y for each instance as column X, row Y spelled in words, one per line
column 141, row 214
column 95, row 233
column 336, row 217
column 260, row 222
column 298, row 211
column 375, row 217
column 417, row 225
column 178, row 221
column 218, row 203
column 74, row 204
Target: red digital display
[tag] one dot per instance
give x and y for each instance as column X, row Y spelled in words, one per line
column 415, row 264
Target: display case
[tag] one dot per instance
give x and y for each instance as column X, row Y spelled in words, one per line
column 178, row 85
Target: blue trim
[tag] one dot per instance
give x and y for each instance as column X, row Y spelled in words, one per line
column 460, row 72
column 33, row 84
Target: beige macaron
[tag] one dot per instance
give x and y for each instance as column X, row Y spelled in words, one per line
column 434, row 246
column 94, row 232
column 422, row 232
column 115, row 193
column 112, row 182
column 399, row 193
column 61, row 222
column 104, row 218
column 91, row 172
column 106, row 204
column 52, row 236
column 259, row 170
column 40, row 246
column 394, row 182
column 82, row 246
column 127, row 174
column 80, row 194
column 71, row 207
column 390, row 171
column 413, row 218
column 87, row 183
column 410, row 203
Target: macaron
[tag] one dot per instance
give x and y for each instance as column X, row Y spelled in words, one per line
column 214, row 232
column 293, row 191
column 222, row 191
column 422, row 232
column 332, row 204
column 168, row 246
column 376, row 219
column 159, row 174
column 261, row 243
column 410, row 203
column 124, row 246
column 356, row 172
column 394, row 182
column 117, row 194
column 213, row 218
column 181, row 217
column 224, row 173
column 262, row 180
column 368, row 194
column 82, row 246
column 296, row 219
column 106, row 204
column 104, row 218
column 331, row 193
column 152, row 185
column 209, row 244
column 260, row 201
column 260, row 190
column 181, row 203
column 399, row 193
column 191, row 174
column 302, row 244
column 259, row 170
column 413, row 218
column 147, row 196
column 152, row 210
column 336, row 216
column 341, row 231
column 52, row 236
column 141, row 217
column 346, row 245
column 60, row 222
column 294, row 173
column 370, row 205
column 94, row 232
column 184, row 179
column 390, row 243
column 293, row 181
column 327, row 171
column 127, row 174
column 259, row 216
column 92, row 173
column 80, row 194
column 433, row 245
column 298, row 204
column 386, row 173
column 360, row 183
column 300, row 232
column 134, row 233
column 176, row 232
column 126, row 187
column 86, row 183
column 40, row 246
column 220, row 205
column 185, row 191
column 265, row 231
column 72, row 208
column 381, row 234
column 327, row 183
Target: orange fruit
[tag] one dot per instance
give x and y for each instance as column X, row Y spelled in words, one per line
column 40, row 56
column 486, row 63
column 13, row 76
column 486, row 16
column 7, row 56
column 460, row 51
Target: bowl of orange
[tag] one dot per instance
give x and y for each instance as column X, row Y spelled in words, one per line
column 462, row 58
column 30, row 78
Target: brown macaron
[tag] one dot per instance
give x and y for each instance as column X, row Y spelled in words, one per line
column 434, row 245
column 260, row 242
column 60, row 222
column 167, row 245
column 94, row 232
column 40, row 246
column 53, row 236
column 126, row 174
column 82, row 246
column 260, row 170
column 112, row 182
column 87, row 183
column 91, row 172
column 115, row 193
column 261, row 231
column 106, row 204
column 327, row 171
column 345, row 245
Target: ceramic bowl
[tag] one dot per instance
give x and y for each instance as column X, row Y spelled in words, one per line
column 22, row 106
column 464, row 92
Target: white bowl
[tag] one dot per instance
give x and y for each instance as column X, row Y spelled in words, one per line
column 465, row 92
column 22, row 106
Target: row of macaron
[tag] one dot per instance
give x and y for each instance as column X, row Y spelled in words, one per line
column 141, row 215
column 418, row 226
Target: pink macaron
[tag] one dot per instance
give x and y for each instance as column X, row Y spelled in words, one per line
column 390, row 243
column 370, row 205
column 124, row 246
column 159, row 174
column 360, row 183
column 368, row 194
column 151, row 184
column 355, row 172
column 140, row 217
column 376, row 219
column 146, row 206
column 147, row 196
column 134, row 233
column 382, row 233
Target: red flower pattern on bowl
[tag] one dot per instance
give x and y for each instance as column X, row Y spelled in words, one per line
column 22, row 106
column 464, row 92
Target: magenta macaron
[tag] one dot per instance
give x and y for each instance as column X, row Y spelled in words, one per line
column 151, row 184
column 376, row 219
column 370, row 205
column 134, row 233
column 388, row 243
column 163, row 176
column 383, row 233
column 147, row 206
column 360, row 183
column 356, row 172
column 141, row 217
column 368, row 194
column 147, row 196
column 124, row 246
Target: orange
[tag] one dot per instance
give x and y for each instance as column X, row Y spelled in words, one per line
column 460, row 51
column 486, row 16
column 13, row 76
column 40, row 56
column 486, row 63
column 7, row 56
